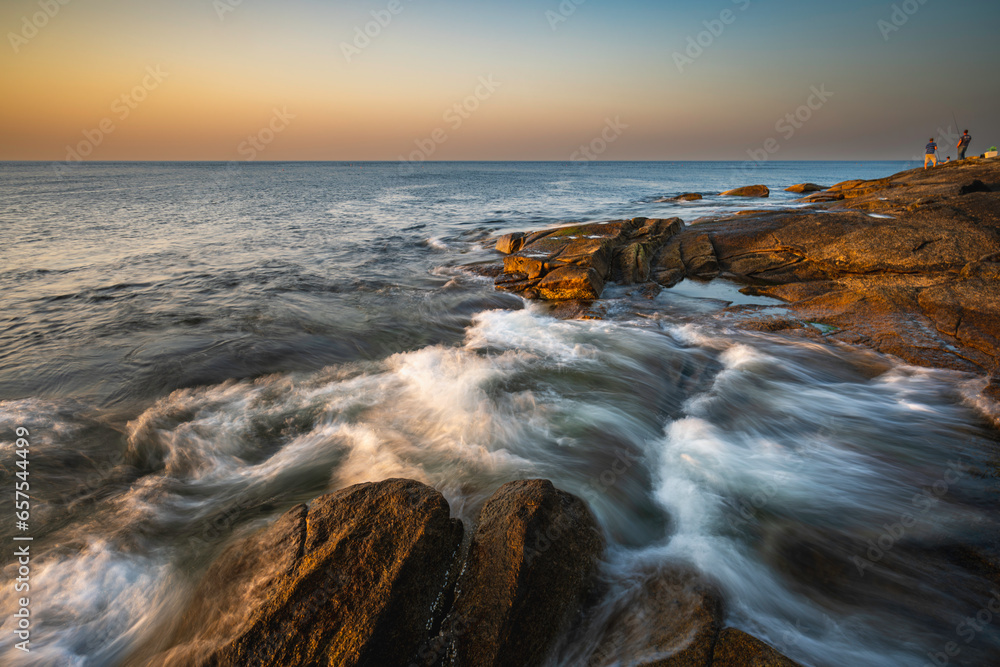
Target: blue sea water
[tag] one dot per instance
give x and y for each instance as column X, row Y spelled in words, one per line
column 195, row 347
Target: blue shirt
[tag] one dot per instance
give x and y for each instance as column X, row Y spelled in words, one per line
column 965, row 140
column 931, row 148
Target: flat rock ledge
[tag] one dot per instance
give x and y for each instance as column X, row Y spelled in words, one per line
column 376, row 575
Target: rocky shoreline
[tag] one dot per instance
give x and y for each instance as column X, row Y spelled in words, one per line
column 379, row 574
column 907, row 265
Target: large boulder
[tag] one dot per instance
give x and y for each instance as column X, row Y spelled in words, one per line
column 749, row 191
column 358, row 578
column 531, row 566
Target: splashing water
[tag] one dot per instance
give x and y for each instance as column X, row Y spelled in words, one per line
column 764, row 464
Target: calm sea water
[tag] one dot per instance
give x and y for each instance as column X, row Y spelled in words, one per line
column 197, row 347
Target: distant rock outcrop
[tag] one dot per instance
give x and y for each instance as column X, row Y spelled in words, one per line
column 802, row 188
column 748, row 191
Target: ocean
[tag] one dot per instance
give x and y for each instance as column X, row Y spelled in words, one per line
column 196, row 347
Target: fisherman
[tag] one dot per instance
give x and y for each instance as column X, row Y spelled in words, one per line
column 930, row 155
column 963, row 144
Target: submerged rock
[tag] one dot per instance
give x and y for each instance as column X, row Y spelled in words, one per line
column 748, row 191
column 531, row 566
column 355, row 579
column 670, row 620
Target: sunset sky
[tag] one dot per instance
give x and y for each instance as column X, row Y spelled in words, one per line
column 200, row 78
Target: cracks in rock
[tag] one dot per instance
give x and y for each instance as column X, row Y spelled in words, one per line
column 923, row 244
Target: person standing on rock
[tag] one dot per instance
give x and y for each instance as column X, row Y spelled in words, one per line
column 963, row 144
column 930, row 155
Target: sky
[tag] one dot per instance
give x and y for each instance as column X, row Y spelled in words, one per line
column 495, row 79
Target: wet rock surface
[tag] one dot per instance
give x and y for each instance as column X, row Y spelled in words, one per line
column 352, row 580
column 905, row 265
column 671, row 620
column 575, row 262
column 375, row 574
column 531, row 567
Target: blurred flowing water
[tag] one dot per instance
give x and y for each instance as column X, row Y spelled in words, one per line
column 197, row 347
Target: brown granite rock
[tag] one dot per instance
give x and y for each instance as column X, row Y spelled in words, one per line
column 802, row 188
column 571, row 282
column 822, row 197
column 749, row 191
column 698, row 254
column 736, row 648
column 968, row 310
column 992, row 390
column 574, row 262
column 509, row 243
column 357, row 579
column 531, row 566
